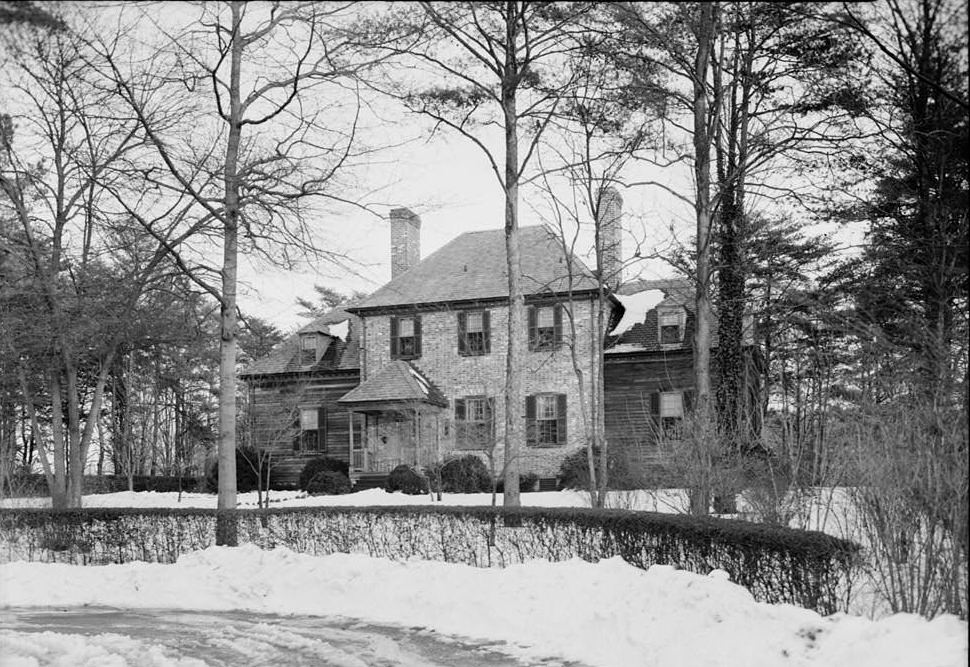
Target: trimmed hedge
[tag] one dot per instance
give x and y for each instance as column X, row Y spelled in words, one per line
column 778, row 565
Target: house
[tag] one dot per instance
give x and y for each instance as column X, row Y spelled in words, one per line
column 415, row 372
column 419, row 372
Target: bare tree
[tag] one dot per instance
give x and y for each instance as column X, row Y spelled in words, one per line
column 273, row 77
column 498, row 65
column 80, row 269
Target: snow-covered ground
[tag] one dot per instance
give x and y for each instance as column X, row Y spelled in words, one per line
column 608, row 613
column 672, row 500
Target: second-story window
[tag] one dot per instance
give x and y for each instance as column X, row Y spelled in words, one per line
column 405, row 337
column 545, row 327
column 474, row 333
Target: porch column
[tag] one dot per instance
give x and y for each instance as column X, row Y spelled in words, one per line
column 350, row 421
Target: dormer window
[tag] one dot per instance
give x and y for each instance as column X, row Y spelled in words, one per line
column 308, row 349
column 670, row 325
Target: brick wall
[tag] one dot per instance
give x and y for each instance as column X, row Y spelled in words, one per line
column 459, row 376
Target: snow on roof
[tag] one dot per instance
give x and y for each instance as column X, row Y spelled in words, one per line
column 340, row 329
column 425, row 387
column 637, row 305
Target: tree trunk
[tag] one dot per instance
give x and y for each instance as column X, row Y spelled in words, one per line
column 514, row 399
column 700, row 495
column 226, row 527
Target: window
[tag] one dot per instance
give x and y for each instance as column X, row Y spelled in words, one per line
column 313, row 430
column 671, row 326
column 545, row 327
column 474, row 422
column 545, row 420
column 668, row 409
column 405, row 337
column 474, row 333
column 308, row 349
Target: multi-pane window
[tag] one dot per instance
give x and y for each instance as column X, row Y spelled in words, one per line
column 672, row 414
column 474, row 424
column 545, row 327
column 405, row 337
column 308, row 349
column 671, row 325
column 312, row 432
column 546, row 419
column 474, row 335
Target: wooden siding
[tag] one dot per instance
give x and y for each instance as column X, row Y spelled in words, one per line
column 273, row 399
column 629, row 384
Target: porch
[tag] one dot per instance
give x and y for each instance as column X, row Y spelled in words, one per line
column 396, row 418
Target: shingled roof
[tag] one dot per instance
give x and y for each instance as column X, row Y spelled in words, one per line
column 340, row 354
column 398, row 381
column 473, row 267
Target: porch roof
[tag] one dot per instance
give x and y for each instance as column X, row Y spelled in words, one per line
column 396, row 382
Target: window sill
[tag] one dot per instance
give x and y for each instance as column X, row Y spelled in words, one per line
column 405, row 357
column 545, row 445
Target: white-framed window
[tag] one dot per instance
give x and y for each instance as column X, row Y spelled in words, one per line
column 546, row 417
column 672, row 414
column 405, row 337
column 474, row 333
column 670, row 326
column 308, row 349
column 313, row 430
column 545, row 327
column 474, row 422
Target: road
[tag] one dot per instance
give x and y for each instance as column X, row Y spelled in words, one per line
column 239, row 639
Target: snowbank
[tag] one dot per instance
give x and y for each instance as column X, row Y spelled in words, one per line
column 609, row 613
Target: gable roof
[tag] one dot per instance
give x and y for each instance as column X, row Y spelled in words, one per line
column 339, row 355
column 472, row 267
column 397, row 381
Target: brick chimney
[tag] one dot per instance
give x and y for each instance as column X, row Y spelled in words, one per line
column 405, row 240
column 611, row 236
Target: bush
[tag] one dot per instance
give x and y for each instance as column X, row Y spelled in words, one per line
column 465, row 474
column 574, row 470
column 330, row 483
column 316, row 466
column 528, row 482
column 247, row 458
column 777, row 564
column 407, row 480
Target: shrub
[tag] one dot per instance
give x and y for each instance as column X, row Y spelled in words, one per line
column 407, row 480
column 777, row 564
column 528, row 482
column 316, row 466
column 574, row 470
column 329, row 482
column 465, row 474
column 247, row 458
